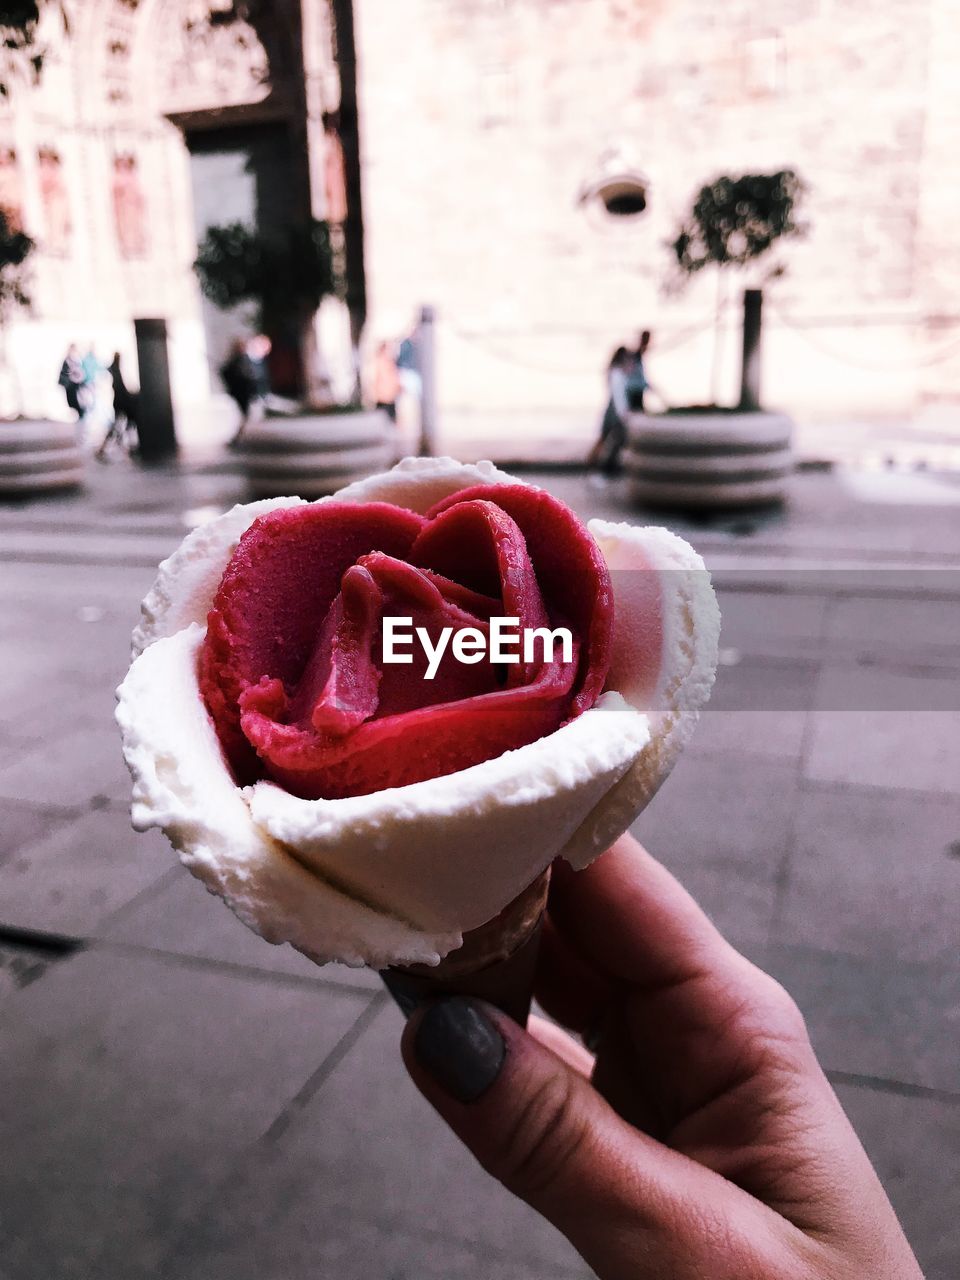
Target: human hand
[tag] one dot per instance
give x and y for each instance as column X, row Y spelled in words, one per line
column 703, row 1141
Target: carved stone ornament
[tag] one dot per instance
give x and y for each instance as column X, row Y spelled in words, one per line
column 215, row 59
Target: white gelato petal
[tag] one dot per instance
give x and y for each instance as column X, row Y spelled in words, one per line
column 451, row 852
column 182, row 785
column 689, row 636
column 420, row 483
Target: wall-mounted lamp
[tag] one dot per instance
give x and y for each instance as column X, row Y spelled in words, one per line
column 619, row 186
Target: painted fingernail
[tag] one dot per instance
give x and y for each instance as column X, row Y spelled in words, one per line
column 458, row 1045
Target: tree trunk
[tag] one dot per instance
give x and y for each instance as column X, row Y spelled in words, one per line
column 346, row 56
column 716, row 369
column 750, row 363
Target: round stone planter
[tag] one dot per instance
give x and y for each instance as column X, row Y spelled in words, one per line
column 39, row 457
column 702, row 461
column 315, row 454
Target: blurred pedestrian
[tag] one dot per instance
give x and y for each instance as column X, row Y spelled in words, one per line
column 71, row 378
column 258, row 349
column 92, row 370
column 637, row 383
column 613, row 427
column 408, row 364
column 386, row 380
column 241, row 382
column 410, row 397
column 124, row 429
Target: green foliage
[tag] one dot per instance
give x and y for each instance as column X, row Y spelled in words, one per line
column 19, row 16
column 15, row 251
column 282, row 273
column 736, row 220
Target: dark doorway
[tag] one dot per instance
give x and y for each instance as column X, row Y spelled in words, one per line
column 246, row 173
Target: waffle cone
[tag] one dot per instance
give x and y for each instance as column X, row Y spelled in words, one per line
column 496, row 962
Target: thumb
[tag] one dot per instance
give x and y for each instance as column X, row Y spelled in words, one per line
column 539, row 1127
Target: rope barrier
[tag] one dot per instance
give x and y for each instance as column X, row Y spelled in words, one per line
column 484, row 343
column 947, row 353
column 683, row 336
column 946, row 320
column 510, row 357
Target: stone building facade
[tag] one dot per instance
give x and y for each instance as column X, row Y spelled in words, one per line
column 483, row 120
column 152, row 119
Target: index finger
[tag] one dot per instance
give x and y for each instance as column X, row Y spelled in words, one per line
column 628, row 919
column 687, row 1013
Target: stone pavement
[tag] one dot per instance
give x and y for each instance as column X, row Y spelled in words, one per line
column 182, row 1100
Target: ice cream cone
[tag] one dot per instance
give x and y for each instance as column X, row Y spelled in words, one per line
column 496, row 962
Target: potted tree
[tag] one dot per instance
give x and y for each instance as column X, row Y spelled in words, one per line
column 308, row 445
column 703, row 456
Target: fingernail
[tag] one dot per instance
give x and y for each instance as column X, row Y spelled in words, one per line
column 458, row 1045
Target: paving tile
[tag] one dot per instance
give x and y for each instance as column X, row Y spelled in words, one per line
column 914, row 1144
column 904, row 686
column 21, row 965
column 184, row 918
column 911, row 751
column 58, row 672
column 23, row 823
column 139, row 1085
column 771, row 734
column 722, row 825
column 19, row 664
column 879, row 727
column 773, row 622
column 368, row 1156
column 69, row 769
column 73, row 878
column 900, row 625
column 764, row 683
column 71, row 634
column 33, row 714
column 305, row 1245
column 874, row 1017
column 52, row 590
column 870, row 876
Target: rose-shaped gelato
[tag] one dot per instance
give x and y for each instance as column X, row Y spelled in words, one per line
column 292, row 668
column 362, row 813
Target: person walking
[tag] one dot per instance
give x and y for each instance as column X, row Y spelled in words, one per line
column 124, row 429
column 637, row 383
column 240, row 379
column 72, row 378
column 613, row 427
column 258, row 349
column 89, row 393
column 408, row 364
column 410, row 395
column 386, row 381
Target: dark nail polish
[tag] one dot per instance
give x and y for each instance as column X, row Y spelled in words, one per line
column 459, row 1046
